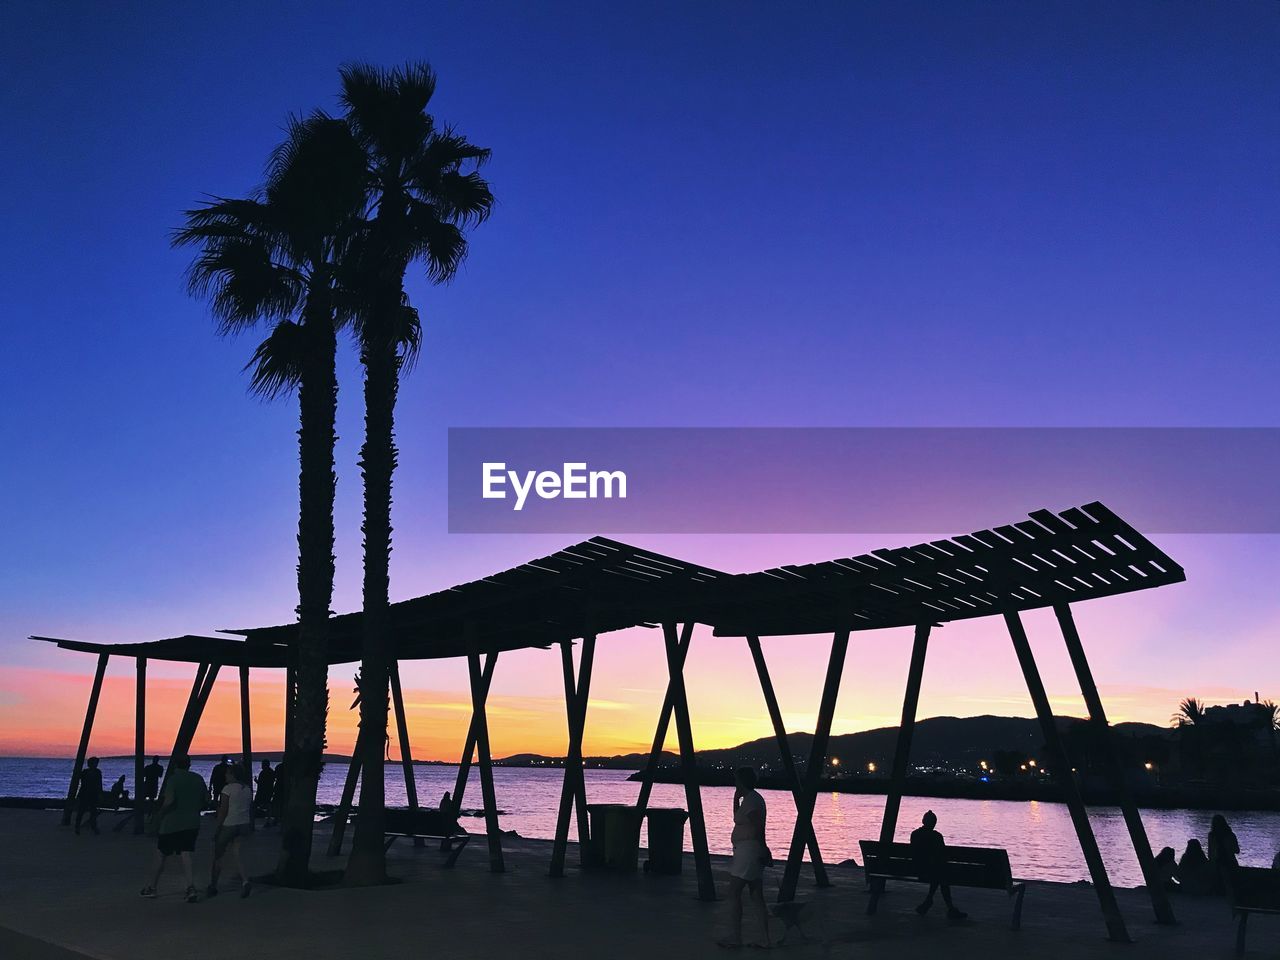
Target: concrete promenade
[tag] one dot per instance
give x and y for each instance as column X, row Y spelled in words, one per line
column 64, row 897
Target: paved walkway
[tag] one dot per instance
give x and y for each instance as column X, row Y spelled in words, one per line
column 80, row 894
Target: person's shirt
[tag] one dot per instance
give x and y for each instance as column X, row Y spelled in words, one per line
column 239, row 800
column 151, row 773
column 928, row 846
column 184, row 795
column 90, row 783
column 743, row 829
column 218, row 778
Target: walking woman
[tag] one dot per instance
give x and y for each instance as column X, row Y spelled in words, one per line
column 750, row 857
column 235, row 817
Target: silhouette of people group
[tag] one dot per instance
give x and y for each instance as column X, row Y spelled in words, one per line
column 183, row 799
column 1198, row 872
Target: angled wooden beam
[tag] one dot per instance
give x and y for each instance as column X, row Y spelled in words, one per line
column 343, row 813
column 90, row 711
column 784, row 748
column 902, row 751
column 406, row 754
column 664, row 721
column 193, row 698
column 1079, row 815
column 572, row 708
column 469, row 748
column 573, row 789
column 813, row 770
column 478, row 696
column 139, row 744
column 1098, row 717
column 689, row 764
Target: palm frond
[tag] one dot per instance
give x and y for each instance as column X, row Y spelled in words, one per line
column 277, row 364
column 433, row 239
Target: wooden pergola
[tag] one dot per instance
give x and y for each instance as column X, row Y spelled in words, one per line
column 601, row 585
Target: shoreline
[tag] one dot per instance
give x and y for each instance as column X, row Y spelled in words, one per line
column 1260, row 800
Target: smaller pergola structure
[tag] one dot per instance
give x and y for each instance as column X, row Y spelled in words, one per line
column 1049, row 560
column 601, row 586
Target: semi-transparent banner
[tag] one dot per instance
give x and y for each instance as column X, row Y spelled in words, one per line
column 858, row 479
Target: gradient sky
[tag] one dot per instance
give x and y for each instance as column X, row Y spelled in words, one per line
column 710, row 214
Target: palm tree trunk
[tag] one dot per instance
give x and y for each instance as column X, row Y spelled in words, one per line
column 318, row 400
column 368, row 863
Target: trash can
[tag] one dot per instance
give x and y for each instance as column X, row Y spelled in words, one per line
column 621, row 838
column 666, row 840
column 593, row 852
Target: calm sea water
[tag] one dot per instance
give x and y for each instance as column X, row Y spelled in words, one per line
column 1039, row 836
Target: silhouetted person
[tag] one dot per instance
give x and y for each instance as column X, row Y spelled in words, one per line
column 1166, row 864
column 1194, row 873
column 929, row 849
column 1223, row 850
column 118, row 793
column 750, row 857
column 280, row 796
column 218, row 779
column 180, row 806
column 446, row 802
column 151, row 775
column 266, row 786
column 235, row 818
column 89, row 794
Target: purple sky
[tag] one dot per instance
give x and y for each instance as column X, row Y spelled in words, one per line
column 712, row 214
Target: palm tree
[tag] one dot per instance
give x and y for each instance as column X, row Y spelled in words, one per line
column 274, row 259
column 1190, row 713
column 425, row 188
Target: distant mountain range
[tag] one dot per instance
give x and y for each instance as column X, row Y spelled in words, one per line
column 940, row 741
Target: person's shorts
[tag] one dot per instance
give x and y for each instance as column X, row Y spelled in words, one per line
column 180, row 841
column 750, row 857
column 225, row 835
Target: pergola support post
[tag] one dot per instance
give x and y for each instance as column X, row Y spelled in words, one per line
column 664, row 721
column 1098, row 717
column 573, row 790
column 478, row 697
column 813, row 770
column 902, row 750
column 1075, row 804
column 139, row 743
column 246, row 733
column 90, row 711
column 688, row 764
column 788, row 761
column 469, row 748
column 406, row 754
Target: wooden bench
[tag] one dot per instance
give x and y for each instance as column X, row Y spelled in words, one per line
column 1252, row 890
column 985, row 868
column 439, row 825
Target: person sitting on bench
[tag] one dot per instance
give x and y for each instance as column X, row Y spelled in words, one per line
column 929, row 849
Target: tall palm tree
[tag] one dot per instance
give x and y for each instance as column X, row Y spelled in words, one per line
column 425, row 188
column 274, row 258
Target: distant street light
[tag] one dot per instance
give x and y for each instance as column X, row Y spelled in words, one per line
column 871, row 768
